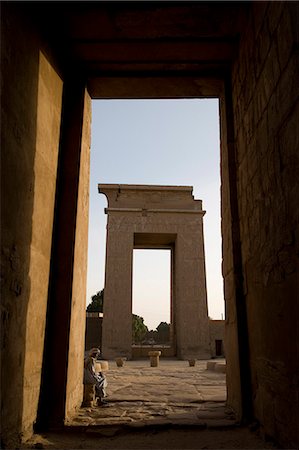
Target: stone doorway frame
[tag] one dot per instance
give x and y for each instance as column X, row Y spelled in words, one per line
column 238, row 373
column 182, row 55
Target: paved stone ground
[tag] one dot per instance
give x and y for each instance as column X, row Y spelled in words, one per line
column 172, row 393
column 173, row 406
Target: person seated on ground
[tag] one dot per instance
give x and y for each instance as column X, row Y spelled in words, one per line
column 93, row 377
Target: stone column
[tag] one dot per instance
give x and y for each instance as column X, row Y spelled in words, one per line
column 154, row 358
column 192, row 325
column 117, row 318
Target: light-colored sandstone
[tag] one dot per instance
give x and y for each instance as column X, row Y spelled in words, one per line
column 249, row 54
column 101, row 366
column 143, row 216
column 154, row 358
column 88, row 395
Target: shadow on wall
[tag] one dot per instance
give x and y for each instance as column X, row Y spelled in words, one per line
column 30, row 135
column 19, row 133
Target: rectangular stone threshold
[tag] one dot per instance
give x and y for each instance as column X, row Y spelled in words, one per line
column 99, row 419
column 112, row 428
column 132, row 415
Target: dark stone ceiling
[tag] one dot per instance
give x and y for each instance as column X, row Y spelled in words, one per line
column 141, row 39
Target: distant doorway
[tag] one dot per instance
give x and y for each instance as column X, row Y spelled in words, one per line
column 219, row 347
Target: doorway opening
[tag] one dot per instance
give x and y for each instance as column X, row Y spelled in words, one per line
column 157, row 141
column 219, row 347
column 152, row 322
column 165, row 142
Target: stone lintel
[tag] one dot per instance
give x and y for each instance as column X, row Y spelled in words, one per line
column 165, row 210
column 126, row 198
column 142, row 187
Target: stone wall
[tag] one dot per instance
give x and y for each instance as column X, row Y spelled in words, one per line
column 93, row 338
column 31, row 111
column 266, row 117
column 32, row 98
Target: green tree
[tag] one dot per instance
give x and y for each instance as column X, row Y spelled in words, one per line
column 163, row 327
column 139, row 329
column 97, row 301
column 163, row 330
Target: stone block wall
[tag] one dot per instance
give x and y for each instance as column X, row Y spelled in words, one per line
column 266, row 122
column 30, row 118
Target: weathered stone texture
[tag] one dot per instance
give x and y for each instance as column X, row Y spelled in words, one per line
column 45, row 167
column 118, row 285
column 228, row 272
column 259, row 187
column 265, row 102
column 77, row 325
column 155, row 217
column 88, row 395
column 31, row 109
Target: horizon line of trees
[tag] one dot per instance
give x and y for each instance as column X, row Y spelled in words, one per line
column 140, row 331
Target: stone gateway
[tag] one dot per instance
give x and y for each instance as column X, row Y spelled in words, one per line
column 56, row 57
column 155, row 217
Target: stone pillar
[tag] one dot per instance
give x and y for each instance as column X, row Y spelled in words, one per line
column 117, row 317
column 154, row 358
column 191, row 314
column 67, row 289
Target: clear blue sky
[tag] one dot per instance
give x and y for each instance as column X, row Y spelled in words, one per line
column 171, row 142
